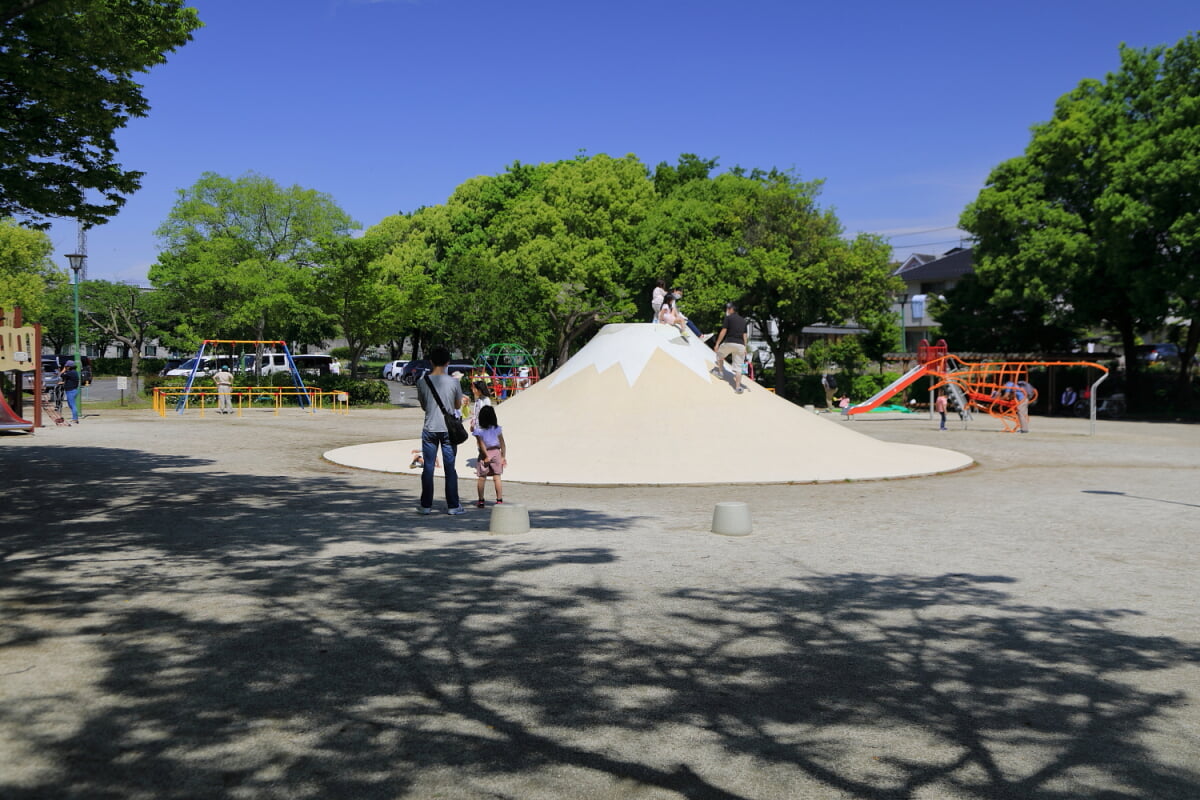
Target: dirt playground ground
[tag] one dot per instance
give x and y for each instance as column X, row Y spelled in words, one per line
column 202, row 607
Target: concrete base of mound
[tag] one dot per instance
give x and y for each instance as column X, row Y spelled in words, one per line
column 639, row 406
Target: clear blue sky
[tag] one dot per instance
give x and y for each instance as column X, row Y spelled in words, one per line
column 387, row 105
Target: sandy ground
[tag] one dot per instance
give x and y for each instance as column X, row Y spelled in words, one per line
column 205, row 608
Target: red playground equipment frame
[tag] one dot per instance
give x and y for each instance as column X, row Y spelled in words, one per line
column 975, row 386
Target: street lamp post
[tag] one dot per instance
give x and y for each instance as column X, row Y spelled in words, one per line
column 903, row 298
column 76, row 262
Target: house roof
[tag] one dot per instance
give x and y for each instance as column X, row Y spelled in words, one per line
column 954, row 264
column 914, row 260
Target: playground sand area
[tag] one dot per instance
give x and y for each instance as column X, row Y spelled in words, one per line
column 204, row 607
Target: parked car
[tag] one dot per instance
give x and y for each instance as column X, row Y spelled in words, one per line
column 306, row 363
column 206, row 366
column 415, row 370
column 392, row 370
column 170, row 364
column 50, row 367
column 1158, row 353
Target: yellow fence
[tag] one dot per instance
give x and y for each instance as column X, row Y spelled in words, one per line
column 245, row 397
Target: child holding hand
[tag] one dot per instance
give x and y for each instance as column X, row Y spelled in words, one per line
column 489, row 436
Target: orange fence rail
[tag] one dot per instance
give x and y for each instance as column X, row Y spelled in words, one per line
column 244, row 397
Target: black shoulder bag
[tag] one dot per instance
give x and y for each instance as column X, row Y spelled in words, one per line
column 454, row 426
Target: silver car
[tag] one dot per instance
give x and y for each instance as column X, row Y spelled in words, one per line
column 50, row 377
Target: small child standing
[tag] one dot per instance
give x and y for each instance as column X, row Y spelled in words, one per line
column 489, row 436
column 483, row 397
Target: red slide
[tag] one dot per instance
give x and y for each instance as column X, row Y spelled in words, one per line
column 889, row 390
column 10, row 421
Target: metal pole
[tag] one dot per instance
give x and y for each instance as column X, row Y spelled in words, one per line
column 76, row 262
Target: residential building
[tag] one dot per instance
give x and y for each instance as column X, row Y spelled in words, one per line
column 925, row 277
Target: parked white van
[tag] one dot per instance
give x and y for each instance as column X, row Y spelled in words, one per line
column 307, row 363
column 207, row 366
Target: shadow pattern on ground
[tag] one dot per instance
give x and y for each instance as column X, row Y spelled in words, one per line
column 291, row 637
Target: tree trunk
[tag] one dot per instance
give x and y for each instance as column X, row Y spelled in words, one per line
column 1134, row 391
column 1183, row 380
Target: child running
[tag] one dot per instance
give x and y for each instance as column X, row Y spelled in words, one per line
column 490, row 438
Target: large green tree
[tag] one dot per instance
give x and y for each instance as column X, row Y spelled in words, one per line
column 27, row 273
column 760, row 239
column 67, row 85
column 368, row 296
column 573, row 243
column 123, row 313
column 1098, row 223
column 539, row 255
column 237, row 256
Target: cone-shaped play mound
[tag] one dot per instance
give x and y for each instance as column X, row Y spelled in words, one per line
column 638, row 405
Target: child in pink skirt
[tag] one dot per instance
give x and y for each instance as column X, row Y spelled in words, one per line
column 490, row 438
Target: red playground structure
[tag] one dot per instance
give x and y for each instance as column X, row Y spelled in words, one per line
column 975, row 386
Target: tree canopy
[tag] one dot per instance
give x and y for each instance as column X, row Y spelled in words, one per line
column 237, row 257
column 26, row 271
column 122, row 313
column 539, row 254
column 1098, row 223
column 66, row 87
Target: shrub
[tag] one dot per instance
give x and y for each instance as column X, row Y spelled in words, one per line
column 868, row 385
column 360, row 392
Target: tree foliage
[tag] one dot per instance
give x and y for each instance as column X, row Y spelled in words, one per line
column 760, row 239
column 364, row 299
column 1098, row 223
column 539, row 254
column 66, row 87
column 27, row 273
column 123, row 313
column 237, row 256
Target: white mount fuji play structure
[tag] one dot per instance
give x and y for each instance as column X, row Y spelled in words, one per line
column 639, row 405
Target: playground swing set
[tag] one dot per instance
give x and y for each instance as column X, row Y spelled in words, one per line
column 238, row 363
column 976, row 386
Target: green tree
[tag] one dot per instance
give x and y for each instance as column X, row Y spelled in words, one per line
column 123, row 313
column 690, row 238
column 57, row 317
column 793, row 268
column 573, row 242
column 26, row 271
column 690, row 167
column 367, row 296
column 539, row 255
column 67, row 87
column 975, row 318
column 415, row 247
column 237, row 253
column 1097, row 223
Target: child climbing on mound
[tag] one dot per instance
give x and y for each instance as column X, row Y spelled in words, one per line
column 490, row 438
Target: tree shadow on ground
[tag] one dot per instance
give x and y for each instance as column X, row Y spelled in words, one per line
column 258, row 637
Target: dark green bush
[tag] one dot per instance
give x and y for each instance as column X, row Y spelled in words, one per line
column 865, row 386
column 361, row 392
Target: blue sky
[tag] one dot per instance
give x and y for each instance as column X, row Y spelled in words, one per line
column 388, row 105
